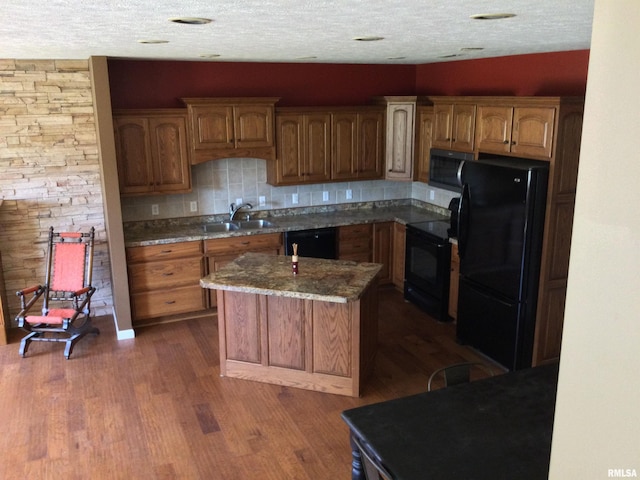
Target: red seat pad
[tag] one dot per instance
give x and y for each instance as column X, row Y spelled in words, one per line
column 68, row 267
column 55, row 317
column 34, row 319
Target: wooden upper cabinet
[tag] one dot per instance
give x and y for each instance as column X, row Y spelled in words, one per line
column 454, row 126
column 400, row 136
column 533, row 131
column 370, row 145
column 151, row 151
column 358, row 143
column 493, row 129
column 424, row 133
column 521, row 130
column 303, row 149
column 231, row 128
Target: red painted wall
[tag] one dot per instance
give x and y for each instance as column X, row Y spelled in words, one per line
column 156, row 84
column 558, row 73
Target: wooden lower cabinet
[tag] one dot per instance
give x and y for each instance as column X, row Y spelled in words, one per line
column 454, row 282
column 381, row 242
column 398, row 254
column 310, row 344
column 355, row 242
column 220, row 251
column 383, row 250
column 164, row 280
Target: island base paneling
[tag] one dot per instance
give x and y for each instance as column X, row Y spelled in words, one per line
column 310, row 344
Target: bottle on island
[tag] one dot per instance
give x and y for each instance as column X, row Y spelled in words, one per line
column 294, row 259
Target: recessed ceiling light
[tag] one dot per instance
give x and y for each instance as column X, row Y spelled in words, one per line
column 396, row 58
column 153, row 41
column 450, row 55
column 471, row 49
column 210, row 55
column 310, row 57
column 191, row 20
column 492, row 16
column 368, row 39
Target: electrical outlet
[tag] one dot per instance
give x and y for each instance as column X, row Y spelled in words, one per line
column 155, row 209
column 325, row 196
column 239, row 202
column 193, row 206
column 262, row 200
column 349, row 194
column 432, row 195
column 294, row 198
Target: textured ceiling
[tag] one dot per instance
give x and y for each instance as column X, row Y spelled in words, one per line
column 414, row 31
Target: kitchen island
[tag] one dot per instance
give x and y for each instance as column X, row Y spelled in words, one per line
column 316, row 330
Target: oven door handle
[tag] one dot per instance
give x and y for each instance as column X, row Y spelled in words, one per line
column 463, row 220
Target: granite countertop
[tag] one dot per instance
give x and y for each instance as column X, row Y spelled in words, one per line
column 318, row 279
column 192, row 229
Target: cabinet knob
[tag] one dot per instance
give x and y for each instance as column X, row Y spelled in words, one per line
column 506, row 142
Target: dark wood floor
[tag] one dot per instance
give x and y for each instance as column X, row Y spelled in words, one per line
column 156, row 408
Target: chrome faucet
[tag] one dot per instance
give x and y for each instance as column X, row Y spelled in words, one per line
column 233, row 209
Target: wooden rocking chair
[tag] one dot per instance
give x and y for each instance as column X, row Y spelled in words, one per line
column 68, row 287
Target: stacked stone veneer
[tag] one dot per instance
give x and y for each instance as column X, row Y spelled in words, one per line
column 49, row 170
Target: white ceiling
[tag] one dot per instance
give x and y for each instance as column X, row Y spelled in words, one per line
column 418, row 31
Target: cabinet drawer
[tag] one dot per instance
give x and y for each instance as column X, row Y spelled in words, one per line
column 165, row 274
column 167, row 302
column 355, row 231
column 362, row 245
column 240, row 245
column 163, row 252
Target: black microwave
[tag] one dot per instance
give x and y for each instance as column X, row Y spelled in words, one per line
column 443, row 168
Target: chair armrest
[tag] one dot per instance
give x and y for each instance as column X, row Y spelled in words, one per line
column 26, row 291
column 84, row 290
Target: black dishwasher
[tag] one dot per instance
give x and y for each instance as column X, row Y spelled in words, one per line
column 317, row 242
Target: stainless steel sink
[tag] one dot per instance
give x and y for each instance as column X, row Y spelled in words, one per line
column 220, row 227
column 249, row 224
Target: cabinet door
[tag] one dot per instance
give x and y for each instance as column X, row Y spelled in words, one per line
column 172, row 172
column 344, row 134
column 355, row 242
column 370, row 145
column 212, row 127
column 290, row 144
column 383, row 250
column 442, row 124
column 317, row 147
column 400, row 139
column 533, row 131
column 493, row 129
column 399, row 250
column 133, row 154
column 253, row 126
column 213, row 265
column 424, row 131
column 463, row 128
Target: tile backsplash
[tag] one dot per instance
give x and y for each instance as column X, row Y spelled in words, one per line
column 218, row 183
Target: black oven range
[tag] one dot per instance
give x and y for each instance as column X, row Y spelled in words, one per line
column 427, row 267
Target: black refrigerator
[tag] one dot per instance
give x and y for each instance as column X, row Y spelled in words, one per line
column 500, row 229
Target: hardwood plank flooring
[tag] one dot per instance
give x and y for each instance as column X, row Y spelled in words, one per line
column 155, row 407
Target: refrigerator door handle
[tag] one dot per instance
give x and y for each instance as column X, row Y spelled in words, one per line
column 463, row 220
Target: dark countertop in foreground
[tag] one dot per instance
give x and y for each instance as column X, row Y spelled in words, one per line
column 318, row 279
column 173, row 231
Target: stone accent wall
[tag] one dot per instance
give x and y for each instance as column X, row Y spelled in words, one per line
column 49, row 170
